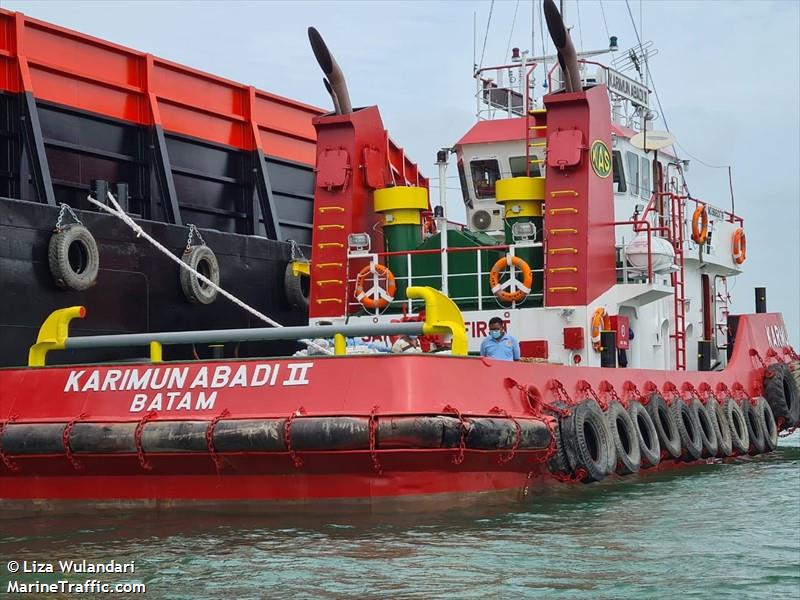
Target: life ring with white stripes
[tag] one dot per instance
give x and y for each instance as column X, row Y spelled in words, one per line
column 519, row 289
column 376, row 296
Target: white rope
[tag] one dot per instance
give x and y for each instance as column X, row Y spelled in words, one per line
column 137, row 229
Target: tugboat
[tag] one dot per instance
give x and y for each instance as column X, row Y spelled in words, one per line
column 582, row 239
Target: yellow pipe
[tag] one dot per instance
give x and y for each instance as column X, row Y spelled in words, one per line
column 339, row 344
column 53, row 334
column 442, row 316
column 156, row 352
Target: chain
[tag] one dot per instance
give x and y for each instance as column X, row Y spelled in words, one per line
column 630, row 387
column 10, row 464
column 65, row 442
column 297, row 252
column 137, row 438
column 212, row 450
column 193, row 231
column 517, row 439
column 287, row 437
column 373, row 428
column 671, row 393
column 587, row 387
column 689, row 387
column 609, row 389
column 66, row 208
column 560, row 392
column 462, row 442
column 754, row 353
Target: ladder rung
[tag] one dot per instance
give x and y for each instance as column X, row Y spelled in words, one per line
column 537, row 144
column 562, row 251
column 333, row 226
column 557, row 193
column 537, row 111
column 324, row 209
column 566, row 288
column 328, row 265
column 563, row 270
column 329, row 281
column 537, row 127
column 330, row 245
column 569, row 209
column 537, row 161
column 563, row 230
column 324, row 300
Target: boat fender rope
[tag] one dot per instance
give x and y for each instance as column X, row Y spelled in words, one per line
column 634, row 392
column 137, row 438
column 212, row 450
column 287, row 437
column 462, row 442
column 585, row 386
column 6, row 460
column 76, row 464
column 373, row 430
column 608, row 388
column 503, row 459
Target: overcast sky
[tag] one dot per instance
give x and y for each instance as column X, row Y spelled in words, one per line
column 726, row 73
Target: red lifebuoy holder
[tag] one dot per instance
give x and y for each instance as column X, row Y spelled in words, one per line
column 739, row 246
column 519, row 289
column 376, row 296
column 700, row 224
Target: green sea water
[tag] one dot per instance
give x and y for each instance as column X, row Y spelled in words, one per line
column 722, row 530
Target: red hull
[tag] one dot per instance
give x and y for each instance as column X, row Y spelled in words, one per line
column 347, row 386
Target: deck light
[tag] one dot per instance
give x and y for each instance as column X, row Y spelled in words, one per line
column 523, row 231
column 358, row 242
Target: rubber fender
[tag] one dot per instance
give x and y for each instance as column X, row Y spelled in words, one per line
column 76, row 241
column 418, row 432
column 626, row 440
column 755, row 428
column 707, row 432
column 768, row 423
column 294, row 286
column 587, row 441
column 721, row 428
column 103, row 437
column 664, row 421
column 649, row 446
column 737, row 422
column 39, row 438
column 262, row 435
column 330, row 433
column 780, row 392
column 203, row 260
column 688, row 429
column 501, row 434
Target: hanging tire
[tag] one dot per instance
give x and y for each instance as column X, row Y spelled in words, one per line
column 664, row 420
column 755, row 428
column 625, row 439
column 203, row 260
column 559, row 463
column 73, row 257
column 737, row 422
column 721, row 428
column 649, row 446
column 767, row 418
column 298, row 289
column 587, row 442
column 688, row 429
column 780, row 391
column 707, row 432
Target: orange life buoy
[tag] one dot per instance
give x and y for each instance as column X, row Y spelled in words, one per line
column 700, row 224
column 739, row 246
column 523, row 288
column 376, row 296
column 600, row 322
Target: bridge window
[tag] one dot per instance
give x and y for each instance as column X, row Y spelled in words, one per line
column 645, row 190
column 517, row 164
column 462, row 179
column 620, row 186
column 632, row 168
column 485, row 174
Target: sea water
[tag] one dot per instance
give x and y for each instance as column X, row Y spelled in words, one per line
column 720, row 530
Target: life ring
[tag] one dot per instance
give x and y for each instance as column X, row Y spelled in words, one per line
column 376, row 296
column 296, row 284
column 700, row 224
column 739, row 246
column 600, row 322
column 523, row 288
column 73, row 257
column 203, row 260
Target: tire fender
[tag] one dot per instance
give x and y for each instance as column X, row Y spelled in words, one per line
column 74, row 241
column 203, row 260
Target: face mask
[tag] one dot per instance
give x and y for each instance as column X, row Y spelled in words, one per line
column 496, row 333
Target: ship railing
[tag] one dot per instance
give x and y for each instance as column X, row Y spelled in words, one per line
column 484, row 299
column 627, row 272
column 502, row 89
column 442, row 317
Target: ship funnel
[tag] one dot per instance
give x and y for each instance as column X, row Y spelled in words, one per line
column 334, row 82
column 567, row 57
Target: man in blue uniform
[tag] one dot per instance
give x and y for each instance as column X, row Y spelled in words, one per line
column 499, row 345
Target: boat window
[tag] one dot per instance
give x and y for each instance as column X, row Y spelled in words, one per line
column 620, row 186
column 462, row 179
column 645, row 190
column 632, row 168
column 485, row 174
column 517, row 164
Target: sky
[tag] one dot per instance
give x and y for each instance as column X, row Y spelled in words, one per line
column 726, row 73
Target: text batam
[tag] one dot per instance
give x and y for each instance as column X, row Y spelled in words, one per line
column 185, row 388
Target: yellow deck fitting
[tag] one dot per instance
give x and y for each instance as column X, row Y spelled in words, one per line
column 301, row 267
column 557, row 193
column 322, row 282
column 562, row 289
column 442, row 316
column 562, row 251
column 324, row 209
column 53, row 334
column 339, row 344
column 156, row 352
